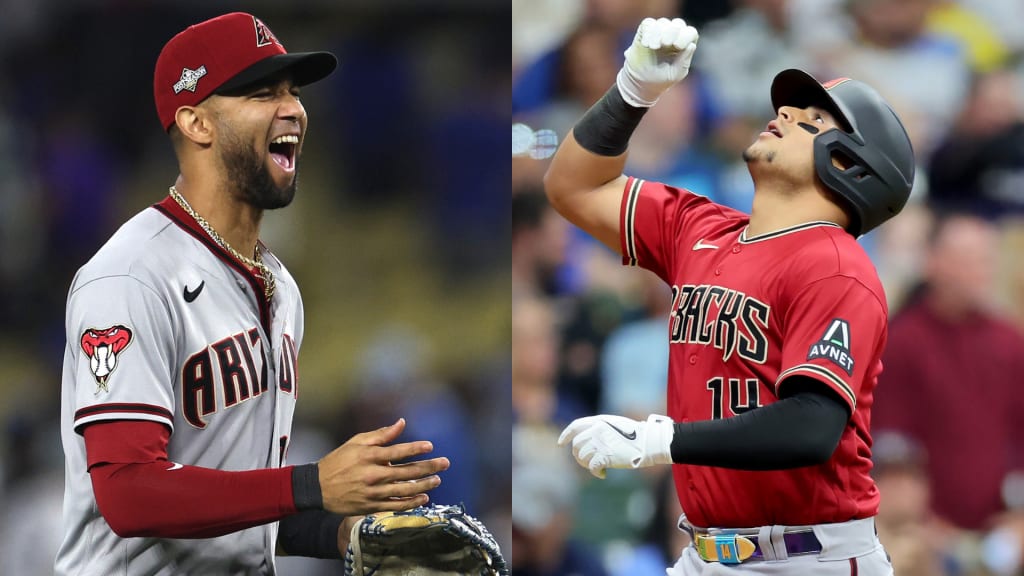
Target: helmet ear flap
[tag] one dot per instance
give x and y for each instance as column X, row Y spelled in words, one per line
column 859, row 175
column 841, row 160
column 837, row 166
column 849, row 168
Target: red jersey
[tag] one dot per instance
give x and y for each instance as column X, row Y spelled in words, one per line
column 747, row 313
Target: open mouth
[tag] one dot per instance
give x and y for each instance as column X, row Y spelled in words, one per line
column 773, row 129
column 282, row 151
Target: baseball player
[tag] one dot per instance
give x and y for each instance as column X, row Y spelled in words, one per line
column 183, row 332
column 777, row 323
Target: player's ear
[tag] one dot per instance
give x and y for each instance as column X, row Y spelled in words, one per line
column 195, row 124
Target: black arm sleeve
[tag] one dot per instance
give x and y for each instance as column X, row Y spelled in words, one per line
column 802, row 429
column 607, row 127
column 312, row 533
column 306, row 487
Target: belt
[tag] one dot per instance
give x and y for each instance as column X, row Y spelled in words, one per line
column 736, row 548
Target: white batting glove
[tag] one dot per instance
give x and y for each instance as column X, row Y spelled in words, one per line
column 659, row 57
column 600, row 442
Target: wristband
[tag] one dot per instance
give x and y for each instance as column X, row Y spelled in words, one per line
column 306, row 487
column 313, row 533
column 634, row 92
column 607, row 127
column 658, row 436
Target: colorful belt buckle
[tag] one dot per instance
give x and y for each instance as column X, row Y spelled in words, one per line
column 724, row 548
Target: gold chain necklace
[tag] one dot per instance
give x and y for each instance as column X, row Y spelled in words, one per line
column 269, row 282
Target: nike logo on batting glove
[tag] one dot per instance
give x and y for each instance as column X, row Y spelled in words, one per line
column 630, row 436
column 606, row 441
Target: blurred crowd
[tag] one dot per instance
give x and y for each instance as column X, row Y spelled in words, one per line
column 588, row 335
column 397, row 237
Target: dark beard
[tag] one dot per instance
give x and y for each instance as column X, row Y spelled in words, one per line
column 249, row 176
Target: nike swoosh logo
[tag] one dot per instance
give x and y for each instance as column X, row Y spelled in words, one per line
column 700, row 245
column 175, row 467
column 630, row 436
column 191, row 295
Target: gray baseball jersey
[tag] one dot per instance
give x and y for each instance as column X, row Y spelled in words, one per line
column 163, row 325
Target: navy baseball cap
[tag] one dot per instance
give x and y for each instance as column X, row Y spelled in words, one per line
column 224, row 54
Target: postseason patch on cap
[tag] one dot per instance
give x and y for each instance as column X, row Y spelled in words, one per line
column 189, row 79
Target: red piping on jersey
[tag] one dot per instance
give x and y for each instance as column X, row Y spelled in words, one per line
column 177, row 214
column 121, row 408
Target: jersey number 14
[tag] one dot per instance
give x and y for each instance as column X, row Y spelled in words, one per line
column 743, row 395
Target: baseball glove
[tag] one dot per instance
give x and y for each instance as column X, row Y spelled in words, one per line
column 430, row 540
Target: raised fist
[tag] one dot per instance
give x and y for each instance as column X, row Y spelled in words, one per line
column 659, row 57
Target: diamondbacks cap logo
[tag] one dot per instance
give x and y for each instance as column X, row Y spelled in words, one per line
column 103, row 347
column 189, row 79
column 834, row 346
column 264, row 37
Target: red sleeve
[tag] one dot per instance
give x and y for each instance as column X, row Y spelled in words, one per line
column 140, row 493
column 655, row 218
column 834, row 331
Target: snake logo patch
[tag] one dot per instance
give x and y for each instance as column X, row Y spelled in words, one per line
column 103, row 347
column 264, row 37
column 834, row 346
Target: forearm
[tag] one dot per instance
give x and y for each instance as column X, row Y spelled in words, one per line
column 594, row 153
column 801, row 430
column 584, row 182
column 140, row 493
column 149, row 500
column 575, row 171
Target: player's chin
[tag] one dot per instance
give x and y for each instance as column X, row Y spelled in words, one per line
column 276, row 199
column 759, row 150
column 277, row 192
column 751, row 153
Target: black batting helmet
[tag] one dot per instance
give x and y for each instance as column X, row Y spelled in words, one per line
column 877, row 183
